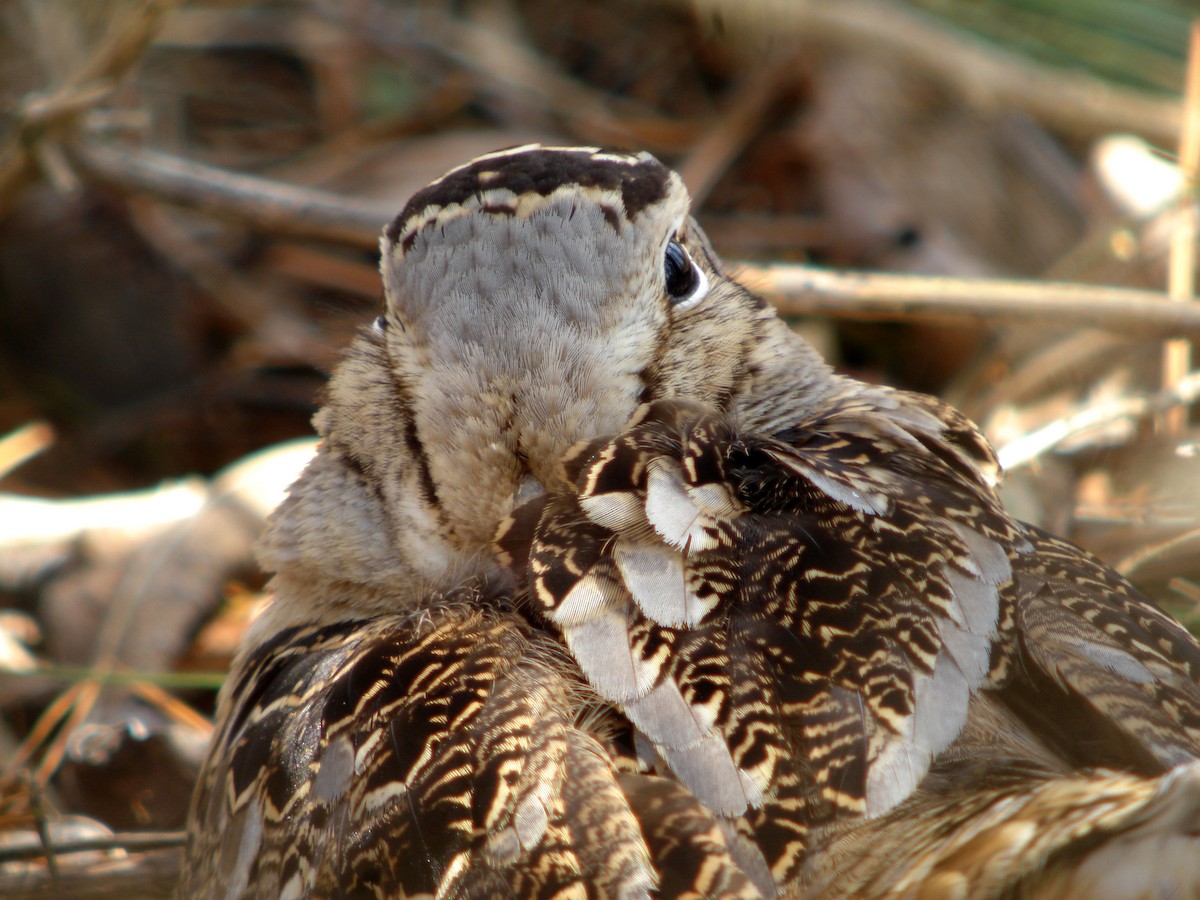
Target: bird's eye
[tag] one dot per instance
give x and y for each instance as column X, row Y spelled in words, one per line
column 686, row 284
column 380, row 324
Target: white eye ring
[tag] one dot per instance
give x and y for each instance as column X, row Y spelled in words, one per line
column 686, row 283
column 697, row 294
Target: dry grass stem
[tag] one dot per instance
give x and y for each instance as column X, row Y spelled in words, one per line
column 1188, row 541
column 1177, row 355
column 24, row 443
column 1029, row 447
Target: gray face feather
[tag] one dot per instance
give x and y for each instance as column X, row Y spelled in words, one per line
column 528, row 310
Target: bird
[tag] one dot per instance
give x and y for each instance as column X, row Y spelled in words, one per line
column 603, row 583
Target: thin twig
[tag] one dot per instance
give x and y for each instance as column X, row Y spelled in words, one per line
column 270, row 205
column 1187, row 541
column 84, row 697
column 43, row 828
column 172, row 707
column 132, row 841
column 805, row 290
column 1030, row 446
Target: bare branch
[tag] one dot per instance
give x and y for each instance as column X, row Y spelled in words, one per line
column 805, row 290
column 796, row 290
column 271, row 205
column 143, row 875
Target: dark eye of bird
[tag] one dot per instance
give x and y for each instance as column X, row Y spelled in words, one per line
column 681, row 274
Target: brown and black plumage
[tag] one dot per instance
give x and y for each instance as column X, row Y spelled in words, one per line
column 602, row 584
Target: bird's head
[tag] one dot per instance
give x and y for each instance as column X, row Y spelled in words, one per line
column 535, row 297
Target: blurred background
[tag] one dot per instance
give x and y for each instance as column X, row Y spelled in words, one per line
column 190, row 200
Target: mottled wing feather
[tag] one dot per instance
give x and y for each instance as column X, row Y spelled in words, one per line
column 688, row 843
column 1021, row 832
column 1094, row 665
column 795, row 624
column 408, row 756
